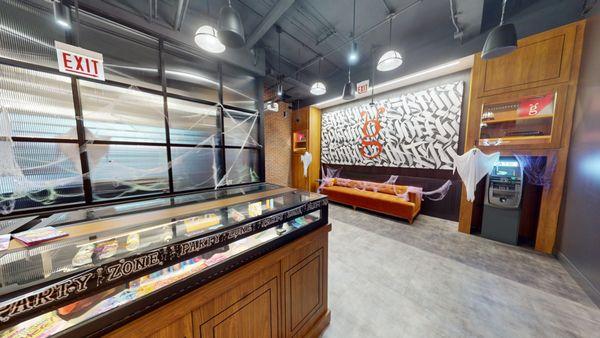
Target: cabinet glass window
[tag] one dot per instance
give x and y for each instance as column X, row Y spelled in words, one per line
column 241, row 129
column 38, row 174
column 190, row 75
column 525, row 121
column 118, row 171
column 242, row 166
column 28, row 32
column 114, row 113
column 193, row 167
column 36, row 104
column 192, row 122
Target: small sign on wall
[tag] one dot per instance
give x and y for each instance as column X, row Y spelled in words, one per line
column 542, row 105
column 362, row 87
column 78, row 61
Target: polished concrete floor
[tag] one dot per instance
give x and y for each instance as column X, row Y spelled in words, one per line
column 391, row 279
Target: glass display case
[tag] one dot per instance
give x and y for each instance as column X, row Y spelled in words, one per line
column 530, row 119
column 121, row 261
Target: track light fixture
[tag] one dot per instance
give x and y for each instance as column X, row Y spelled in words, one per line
column 391, row 59
column 230, row 27
column 62, row 14
column 501, row 40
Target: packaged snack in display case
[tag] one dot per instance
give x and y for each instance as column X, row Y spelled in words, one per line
column 84, row 255
column 37, row 236
column 255, row 209
column 194, row 224
column 4, row 242
column 133, row 242
column 236, row 215
column 106, row 249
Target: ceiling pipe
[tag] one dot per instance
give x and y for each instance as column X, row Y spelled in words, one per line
column 182, row 7
column 358, row 36
column 304, row 45
column 153, row 8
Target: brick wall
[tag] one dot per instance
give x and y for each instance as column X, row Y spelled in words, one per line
column 278, row 146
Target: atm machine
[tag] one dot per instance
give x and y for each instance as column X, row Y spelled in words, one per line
column 502, row 204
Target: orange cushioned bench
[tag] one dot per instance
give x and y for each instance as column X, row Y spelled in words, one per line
column 377, row 197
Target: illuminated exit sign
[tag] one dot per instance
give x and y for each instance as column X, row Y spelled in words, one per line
column 78, row 61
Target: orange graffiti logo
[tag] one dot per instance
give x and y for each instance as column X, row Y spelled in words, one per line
column 369, row 138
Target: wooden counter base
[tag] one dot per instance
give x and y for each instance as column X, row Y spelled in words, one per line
column 282, row 294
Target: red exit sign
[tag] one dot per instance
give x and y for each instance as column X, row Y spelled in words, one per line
column 78, row 61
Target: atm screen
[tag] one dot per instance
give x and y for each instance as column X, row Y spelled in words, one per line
column 506, row 169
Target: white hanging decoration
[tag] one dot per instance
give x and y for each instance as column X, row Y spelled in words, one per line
column 306, row 159
column 472, row 166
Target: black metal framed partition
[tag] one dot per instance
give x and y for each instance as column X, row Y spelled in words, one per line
column 199, row 117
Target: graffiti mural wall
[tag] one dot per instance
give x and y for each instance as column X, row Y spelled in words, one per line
column 416, row 130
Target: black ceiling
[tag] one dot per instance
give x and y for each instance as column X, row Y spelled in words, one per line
column 423, row 32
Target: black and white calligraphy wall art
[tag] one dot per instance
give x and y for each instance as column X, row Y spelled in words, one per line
column 416, row 130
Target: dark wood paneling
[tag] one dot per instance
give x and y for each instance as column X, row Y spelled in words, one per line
column 181, row 328
column 304, row 278
column 303, row 289
column 254, row 315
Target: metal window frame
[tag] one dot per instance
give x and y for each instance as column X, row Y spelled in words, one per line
column 82, row 142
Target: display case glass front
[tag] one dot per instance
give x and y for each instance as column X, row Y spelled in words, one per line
column 526, row 120
column 68, row 284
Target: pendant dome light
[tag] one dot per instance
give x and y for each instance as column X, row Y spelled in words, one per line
column 349, row 88
column 318, row 88
column 354, row 56
column 391, row 59
column 206, row 38
column 501, row 40
column 230, row 27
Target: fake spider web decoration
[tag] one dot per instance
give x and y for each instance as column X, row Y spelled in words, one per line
column 45, row 172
